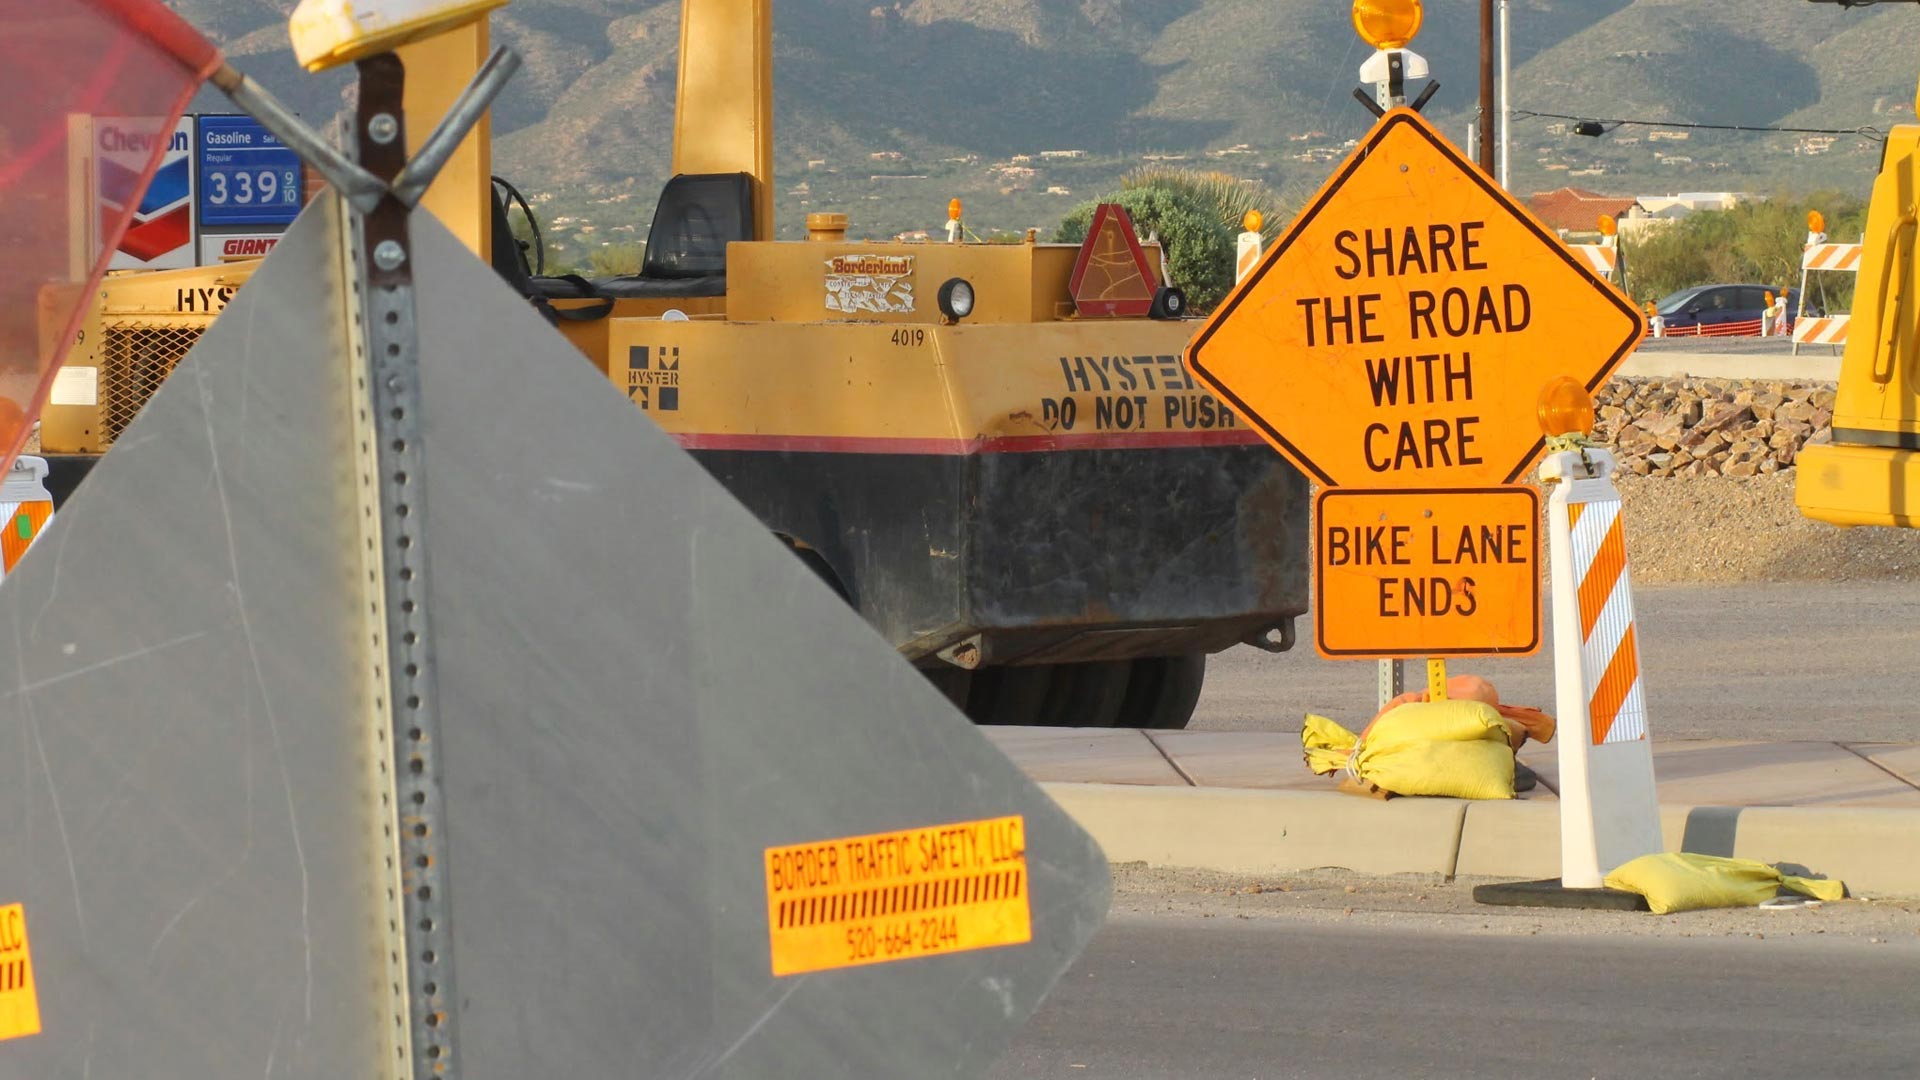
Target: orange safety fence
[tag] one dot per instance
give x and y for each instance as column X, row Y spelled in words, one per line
column 1750, row 328
column 63, row 66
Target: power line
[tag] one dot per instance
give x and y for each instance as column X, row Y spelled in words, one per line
column 1865, row 132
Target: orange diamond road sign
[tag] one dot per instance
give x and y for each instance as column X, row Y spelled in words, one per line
column 1427, row 572
column 1398, row 335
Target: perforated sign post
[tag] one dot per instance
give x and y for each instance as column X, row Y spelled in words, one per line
column 1393, row 345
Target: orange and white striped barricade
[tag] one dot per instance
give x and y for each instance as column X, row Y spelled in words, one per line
column 1821, row 330
column 25, row 510
column 1821, row 257
column 1602, row 259
column 1842, row 257
column 1609, row 811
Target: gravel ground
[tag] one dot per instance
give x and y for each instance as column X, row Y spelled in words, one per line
column 1730, row 529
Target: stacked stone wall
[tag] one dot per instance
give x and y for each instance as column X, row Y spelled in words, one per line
column 1711, row 427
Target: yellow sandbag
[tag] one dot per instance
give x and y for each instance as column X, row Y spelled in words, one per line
column 1480, row 769
column 1683, row 881
column 1436, row 721
column 1456, row 749
column 1326, row 743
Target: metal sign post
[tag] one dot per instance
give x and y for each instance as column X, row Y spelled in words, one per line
column 387, row 413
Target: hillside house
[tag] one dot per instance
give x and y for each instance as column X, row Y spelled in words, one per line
column 1572, row 209
column 1688, row 202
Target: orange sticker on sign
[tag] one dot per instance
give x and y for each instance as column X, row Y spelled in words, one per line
column 19, row 998
column 1427, row 573
column 899, row 895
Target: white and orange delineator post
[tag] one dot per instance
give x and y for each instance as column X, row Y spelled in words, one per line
column 1609, row 811
column 1248, row 251
column 25, row 509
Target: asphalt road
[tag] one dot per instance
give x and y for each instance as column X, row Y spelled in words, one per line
column 1769, row 662
column 1160, row 998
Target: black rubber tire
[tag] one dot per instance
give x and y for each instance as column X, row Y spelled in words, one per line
column 1009, row 696
column 1086, row 694
column 1163, row 692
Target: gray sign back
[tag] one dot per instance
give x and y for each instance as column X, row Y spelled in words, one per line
column 641, row 692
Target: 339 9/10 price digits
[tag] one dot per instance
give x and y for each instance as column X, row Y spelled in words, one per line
column 251, row 187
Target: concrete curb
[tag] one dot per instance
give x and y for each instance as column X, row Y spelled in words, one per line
column 1875, row 850
column 1816, row 364
column 1259, row 832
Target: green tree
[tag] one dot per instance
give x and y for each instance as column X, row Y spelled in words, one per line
column 1757, row 242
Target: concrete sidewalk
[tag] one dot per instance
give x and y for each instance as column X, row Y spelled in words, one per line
column 1244, row 802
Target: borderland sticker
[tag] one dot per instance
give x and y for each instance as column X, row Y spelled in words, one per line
column 880, row 284
column 894, row 896
column 19, row 998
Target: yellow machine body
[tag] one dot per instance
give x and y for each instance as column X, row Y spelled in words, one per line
column 723, row 117
column 1040, row 509
column 142, row 324
column 1870, row 475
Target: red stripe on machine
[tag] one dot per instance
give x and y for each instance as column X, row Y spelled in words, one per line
column 998, row 444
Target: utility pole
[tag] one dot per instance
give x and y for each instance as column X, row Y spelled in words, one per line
column 1506, row 93
column 1486, row 86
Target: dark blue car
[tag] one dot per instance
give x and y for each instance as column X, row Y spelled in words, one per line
column 1710, row 306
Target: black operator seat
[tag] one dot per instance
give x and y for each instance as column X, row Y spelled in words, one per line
column 698, row 216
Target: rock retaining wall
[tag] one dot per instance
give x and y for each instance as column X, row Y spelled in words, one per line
column 1711, row 427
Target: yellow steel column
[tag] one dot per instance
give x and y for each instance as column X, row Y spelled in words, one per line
column 437, row 70
column 723, row 120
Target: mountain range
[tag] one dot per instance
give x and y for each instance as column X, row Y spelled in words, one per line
column 886, row 108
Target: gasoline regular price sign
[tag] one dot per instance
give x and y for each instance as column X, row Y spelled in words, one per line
column 1400, row 332
column 247, row 177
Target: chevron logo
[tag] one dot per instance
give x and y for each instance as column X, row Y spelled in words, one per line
column 163, row 220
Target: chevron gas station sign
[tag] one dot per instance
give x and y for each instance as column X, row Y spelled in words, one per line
column 161, row 235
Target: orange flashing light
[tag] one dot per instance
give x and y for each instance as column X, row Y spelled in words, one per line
column 1565, row 407
column 1387, row 24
